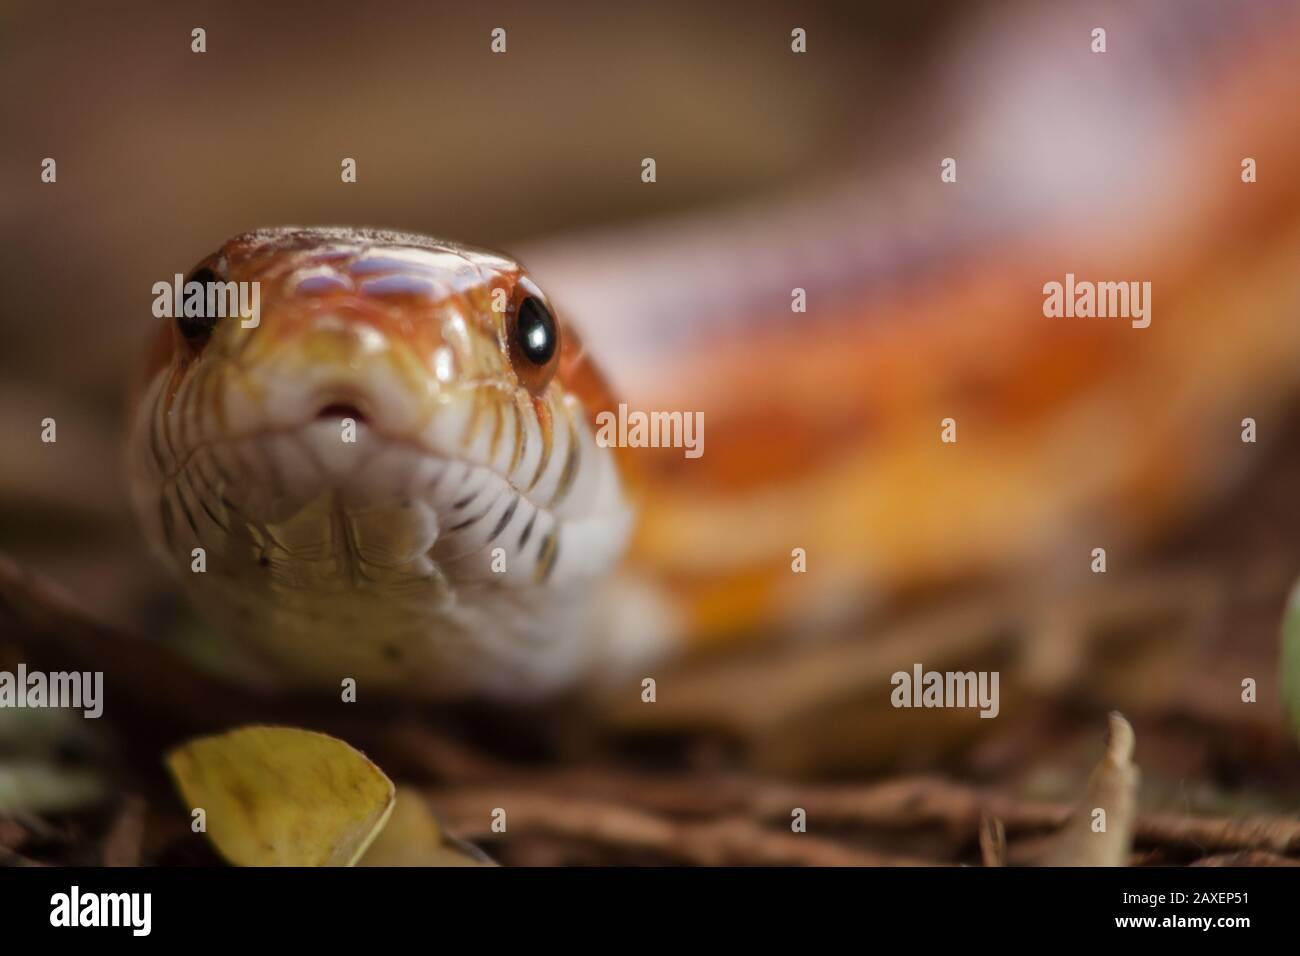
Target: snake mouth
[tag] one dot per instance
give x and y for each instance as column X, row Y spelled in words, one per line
column 340, row 410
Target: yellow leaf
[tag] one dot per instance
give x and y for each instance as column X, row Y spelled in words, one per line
column 413, row 837
column 278, row 796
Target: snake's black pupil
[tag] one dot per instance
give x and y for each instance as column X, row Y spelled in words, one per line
column 197, row 328
column 536, row 331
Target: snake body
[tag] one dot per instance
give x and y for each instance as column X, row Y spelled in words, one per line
column 374, row 560
column 452, row 547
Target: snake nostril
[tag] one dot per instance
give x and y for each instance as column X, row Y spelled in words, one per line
column 342, row 410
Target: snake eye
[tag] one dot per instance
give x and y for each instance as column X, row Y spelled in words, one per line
column 535, row 329
column 196, row 329
column 534, row 339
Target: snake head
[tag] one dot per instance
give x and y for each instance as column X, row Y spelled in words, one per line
column 382, row 442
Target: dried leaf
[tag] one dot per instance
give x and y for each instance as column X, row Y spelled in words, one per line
column 278, row 796
column 413, row 837
column 1291, row 659
column 1112, row 791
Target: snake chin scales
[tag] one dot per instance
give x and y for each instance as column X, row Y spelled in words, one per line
column 360, row 488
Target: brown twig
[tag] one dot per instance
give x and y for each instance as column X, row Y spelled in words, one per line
column 121, row 847
column 163, row 692
column 156, row 699
column 10, row 857
column 904, row 804
column 1247, row 858
column 993, row 842
column 734, row 841
column 692, row 817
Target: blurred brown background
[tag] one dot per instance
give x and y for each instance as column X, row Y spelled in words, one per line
column 163, row 153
